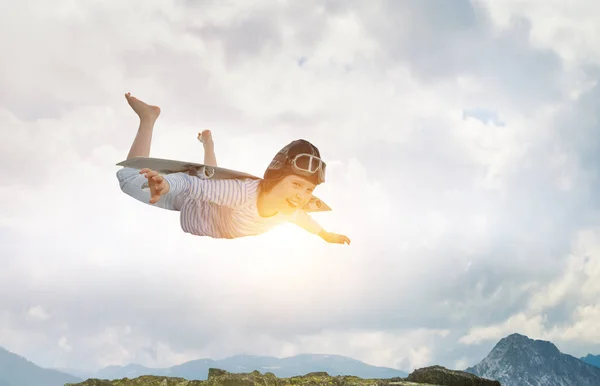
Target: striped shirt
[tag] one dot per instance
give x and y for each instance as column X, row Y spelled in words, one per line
column 225, row 208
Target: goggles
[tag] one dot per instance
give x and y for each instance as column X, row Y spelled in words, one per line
column 308, row 164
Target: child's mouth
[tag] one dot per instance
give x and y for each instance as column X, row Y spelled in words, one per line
column 292, row 203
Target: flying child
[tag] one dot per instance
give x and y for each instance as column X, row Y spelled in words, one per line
column 229, row 208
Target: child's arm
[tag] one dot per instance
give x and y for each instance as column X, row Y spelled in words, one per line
column 303, row 220
column 230, row 192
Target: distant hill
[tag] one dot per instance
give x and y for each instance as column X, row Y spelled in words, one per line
column 75, row 372
column 593, row 360
column 520, row 361
column 281, row 367
column 18, row 371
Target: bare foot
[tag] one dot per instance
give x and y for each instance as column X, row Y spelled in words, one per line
column 206, row 138
column 143, row 110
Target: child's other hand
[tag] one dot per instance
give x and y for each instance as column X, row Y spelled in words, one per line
column 335, row 238
column 193, row 172
column 157, row 184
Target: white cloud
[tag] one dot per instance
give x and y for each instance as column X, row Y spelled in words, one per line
column 38, row 312
column 576, row 287
column 570, row 30
column 64, row 345
column 531, row 326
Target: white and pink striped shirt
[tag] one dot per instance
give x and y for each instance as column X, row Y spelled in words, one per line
column 225, row 208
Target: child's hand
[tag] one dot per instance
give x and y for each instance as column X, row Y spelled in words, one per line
column 334, row 238
column 156, row 182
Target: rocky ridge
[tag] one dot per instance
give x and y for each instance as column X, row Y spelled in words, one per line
column 428, row 376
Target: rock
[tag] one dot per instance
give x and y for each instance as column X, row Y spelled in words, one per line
column 439, row 375
column 212, row 372
column 317, row 374
column 144, row 380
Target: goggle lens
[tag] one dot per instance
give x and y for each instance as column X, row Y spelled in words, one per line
column 308, row 163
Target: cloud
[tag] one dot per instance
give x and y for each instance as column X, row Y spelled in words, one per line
column 38, row 312
column 569, row 31
column 574, row 291
column 64, row 345
column 461, row 228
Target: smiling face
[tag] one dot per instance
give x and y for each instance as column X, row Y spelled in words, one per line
column 291, row 193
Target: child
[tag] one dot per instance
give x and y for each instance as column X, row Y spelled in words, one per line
column 234, row 207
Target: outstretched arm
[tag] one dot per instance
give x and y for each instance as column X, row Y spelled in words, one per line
column 303, row 220
column 230, row 192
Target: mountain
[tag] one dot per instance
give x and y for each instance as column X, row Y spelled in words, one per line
column 75, row 372
column 593, row 360
column 280, row 367
column 18, row 371
column 517, row 360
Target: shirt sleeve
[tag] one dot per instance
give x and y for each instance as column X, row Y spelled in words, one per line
column 228, row 192
column 303, row 220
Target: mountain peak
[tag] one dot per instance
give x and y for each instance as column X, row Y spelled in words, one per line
column 519, row 360
column 593, row 360
column 519, row 343
column 524, row 339
column 516, row 335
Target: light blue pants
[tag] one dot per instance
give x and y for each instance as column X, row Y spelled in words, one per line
column 132, row 184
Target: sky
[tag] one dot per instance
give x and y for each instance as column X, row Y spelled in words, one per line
column 462, row 146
